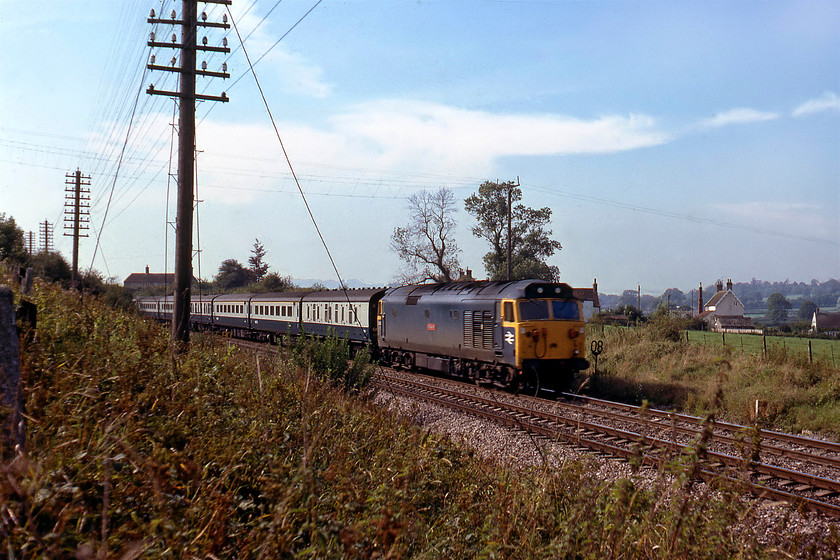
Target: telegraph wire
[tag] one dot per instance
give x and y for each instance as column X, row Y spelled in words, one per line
column 679, row 216
column 119, row 164
column 242, row 44
column 283, row 147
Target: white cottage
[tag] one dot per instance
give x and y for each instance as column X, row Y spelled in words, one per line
column 725, row 312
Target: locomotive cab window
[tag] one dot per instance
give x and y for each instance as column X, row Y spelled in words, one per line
column 508, row 311
column 565, row 310
column 533, row 310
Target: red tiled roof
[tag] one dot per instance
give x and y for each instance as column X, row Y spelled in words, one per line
column 587, row 294
column 150, row 278
column 828, row 320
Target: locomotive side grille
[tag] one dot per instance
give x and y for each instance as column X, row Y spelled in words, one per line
column 488, row 329
column 478, row 328
column 468, row 330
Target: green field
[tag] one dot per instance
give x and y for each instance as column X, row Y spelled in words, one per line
column 821, row 349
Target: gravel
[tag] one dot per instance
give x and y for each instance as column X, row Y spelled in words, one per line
column 773, row 524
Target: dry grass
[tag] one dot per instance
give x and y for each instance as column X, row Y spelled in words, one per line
column 137, row 453
column 653, row 363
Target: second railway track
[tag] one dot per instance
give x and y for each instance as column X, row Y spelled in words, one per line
column 803, row 472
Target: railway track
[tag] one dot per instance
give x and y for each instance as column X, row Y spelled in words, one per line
column 803, row 472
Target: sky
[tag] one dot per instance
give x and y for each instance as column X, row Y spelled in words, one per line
column 675, row 142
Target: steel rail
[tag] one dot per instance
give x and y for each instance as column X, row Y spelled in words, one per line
column 523, row 418
column 824, row 445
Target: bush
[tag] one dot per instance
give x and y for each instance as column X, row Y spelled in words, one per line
column 330, row 358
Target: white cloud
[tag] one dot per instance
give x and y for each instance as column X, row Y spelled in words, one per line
column 796, row 219
column 402, row 131
column 294, row 73
column 829, row 101
column 738, row 116
column 371, row 140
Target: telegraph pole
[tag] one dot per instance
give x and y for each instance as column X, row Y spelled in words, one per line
column 46, row 237
column 510, row 187
column 186, row 142
column 76, row 214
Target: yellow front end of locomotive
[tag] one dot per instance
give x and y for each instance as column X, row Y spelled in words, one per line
column 546, row 330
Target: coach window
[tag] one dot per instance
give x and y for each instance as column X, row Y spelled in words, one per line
column 533, row 310
column 426, row 313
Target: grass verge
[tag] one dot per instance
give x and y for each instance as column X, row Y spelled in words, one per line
column 134, row 452
column 654, row 362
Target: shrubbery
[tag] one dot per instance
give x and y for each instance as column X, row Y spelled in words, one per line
column 330, row 358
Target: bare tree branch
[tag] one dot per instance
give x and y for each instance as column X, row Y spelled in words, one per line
column 427, row 245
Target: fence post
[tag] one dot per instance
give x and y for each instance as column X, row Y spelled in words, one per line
column 12, row 426
column 810, row 354
column 764, row 343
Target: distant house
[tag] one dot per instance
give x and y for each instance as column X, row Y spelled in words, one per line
column 137, row 280
column 725, row 312
column 589, row 297
column 826, row 323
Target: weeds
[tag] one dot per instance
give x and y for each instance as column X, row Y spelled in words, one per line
column 654, row 362
column 137, row 452
column 331, row 359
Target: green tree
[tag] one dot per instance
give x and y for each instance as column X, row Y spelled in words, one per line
column 427, row 243
column 233, row 275
column 257, row 265
column 52, row 267
column 806, row 310
column 12, row 244
column 777, row 308
column 273, row 282
column 674, row 297
column 629, row 298
column 530, row 241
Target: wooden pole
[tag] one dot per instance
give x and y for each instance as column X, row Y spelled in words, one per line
column 186, row 178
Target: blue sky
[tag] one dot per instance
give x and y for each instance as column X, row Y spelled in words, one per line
column 675, row 142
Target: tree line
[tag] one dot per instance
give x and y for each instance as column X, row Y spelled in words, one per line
column 791, row 312
column 52, row 266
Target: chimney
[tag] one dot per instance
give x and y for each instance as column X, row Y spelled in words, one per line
column 147, row 269
column 700, row 300
column 729, row 284
column 719, row 285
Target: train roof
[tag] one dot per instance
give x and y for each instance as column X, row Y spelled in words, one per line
column 359, row 294
column 353, row 295
column 533, row 289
